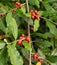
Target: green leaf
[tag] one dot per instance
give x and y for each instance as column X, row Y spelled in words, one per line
column 48, row 13
column 47, row 6
column 36, row 25
column 31, row 2
column 54, row 18
column 12, row 25
column 20, row 12
column 50, row 1
column 3, row 56
column 15, row 57
column 2, row 44
column 53, row 63
column 21, row 31
column 54, row 52
column 23, row 9
column 25, row 53
column 41, row 54
column 4, row 7
column 44, row 43
column 52, row 27
column 27, row 45
column 52, row 59
column 36, row 2
column 30, row 21
column 28, row 15
column 45, row 35
column 2, row 26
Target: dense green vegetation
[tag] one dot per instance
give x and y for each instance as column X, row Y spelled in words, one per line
column 28, row 32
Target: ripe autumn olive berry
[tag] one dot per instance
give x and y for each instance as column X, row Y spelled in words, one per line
column 40, row 60
column 35, row 56
column 28, row 38
column 32, row 17
column 36, row 12
column 23, row 35
column 20, row 42
column 18, row 5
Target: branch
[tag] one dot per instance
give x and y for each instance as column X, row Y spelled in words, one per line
column 28, row 30
column 3, row 14
column 49, row 20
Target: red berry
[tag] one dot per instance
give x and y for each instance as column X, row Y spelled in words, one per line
column 33, row 14
column 37, row 17
column 36, row 12
column 35, row 56
column 32, row 17
column 23, row 35
column 21, row 5
column 40, row 60
column 23, row 39
column 31, row 11
column 17, row 4
column 19, row 42
column 28, row 38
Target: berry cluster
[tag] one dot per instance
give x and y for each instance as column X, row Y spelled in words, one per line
column 22, row 38
column 36, row 56
column 34, row 14
column 18, row 5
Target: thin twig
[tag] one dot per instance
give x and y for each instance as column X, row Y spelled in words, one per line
column 4, row 13
column 28, row 30
column 49, row 20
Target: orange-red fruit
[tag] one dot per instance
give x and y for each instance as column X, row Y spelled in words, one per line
column 31, row 11
column 33, row 14
column 37, row 17
column 40, row 60
column 17, row 4
column 35, row 56
column 21, row 5
column 28, row 38
column 23, row 35
column 19, row 42
column 36, row 12
column 32, row 17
